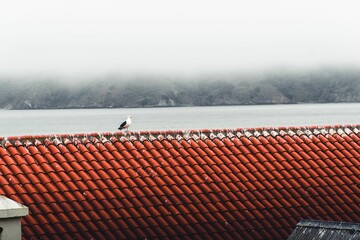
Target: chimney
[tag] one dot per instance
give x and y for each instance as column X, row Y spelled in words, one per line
column 10, row 218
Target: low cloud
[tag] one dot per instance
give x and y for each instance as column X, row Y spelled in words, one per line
column 89, row 38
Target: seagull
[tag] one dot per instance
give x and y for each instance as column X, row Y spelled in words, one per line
column 126, row 124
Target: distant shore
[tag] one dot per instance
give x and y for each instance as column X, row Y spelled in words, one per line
column 325, row 85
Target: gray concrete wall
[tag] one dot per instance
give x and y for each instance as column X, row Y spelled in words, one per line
column 10, row 218
column 11, row 228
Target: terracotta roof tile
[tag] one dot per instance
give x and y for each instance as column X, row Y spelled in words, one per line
column 217, row 184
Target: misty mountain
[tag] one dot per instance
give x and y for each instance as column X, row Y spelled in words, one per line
column 282, row 87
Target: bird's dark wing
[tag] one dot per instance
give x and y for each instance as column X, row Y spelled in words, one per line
column 122, row 125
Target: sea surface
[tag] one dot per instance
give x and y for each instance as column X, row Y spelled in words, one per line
column 71, row 121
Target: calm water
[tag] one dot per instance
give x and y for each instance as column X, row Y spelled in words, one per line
column 25, row 122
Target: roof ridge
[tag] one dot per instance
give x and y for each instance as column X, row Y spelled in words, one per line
column 201, row 133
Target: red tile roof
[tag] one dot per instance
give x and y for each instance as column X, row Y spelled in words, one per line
column 219, row 184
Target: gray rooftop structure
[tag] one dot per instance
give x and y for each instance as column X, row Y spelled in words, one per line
column 315, row 229
column 10, row 218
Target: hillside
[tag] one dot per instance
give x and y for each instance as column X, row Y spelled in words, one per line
column 282, row 87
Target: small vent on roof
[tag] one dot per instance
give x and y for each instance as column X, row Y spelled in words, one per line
column 203, row 136
column 95, row 140
column 123, row 139
column 186, row 135
column 19, row 143
column 265, row 133
column 7, row 144
column 274, row 133
column 299, row 132
column 332, row 131
column 104, row 139
column 3, row 142
column 38, row 142
column 283, row 133
column 220, row 135
column 316, row 131
column 113, row 139
column 56, row 141
column 85, row 140
column 179, row 137
column 324, row 131
column 340, row 132
column 291, row 133
column 143, row 138
column 348, row 131
column 356, row 131
column 239, row 134
column 195, row 137
column 248, row 134
column 152, row 137
column 213, row 135
column 230, row 135
column 308, row 132
column 133, row 138
column 257, row 134
column 76, row 141
column 170, row 137
column 28, row 143
column 160, row 137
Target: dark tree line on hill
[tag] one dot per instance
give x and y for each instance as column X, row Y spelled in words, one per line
column 282, row 87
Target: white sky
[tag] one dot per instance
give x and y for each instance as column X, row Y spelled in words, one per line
column 102, row 36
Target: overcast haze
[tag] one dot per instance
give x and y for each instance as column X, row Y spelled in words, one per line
column 164, row 36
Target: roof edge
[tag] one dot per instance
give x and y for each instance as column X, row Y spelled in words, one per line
column 329, row 225
column 307, row 130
